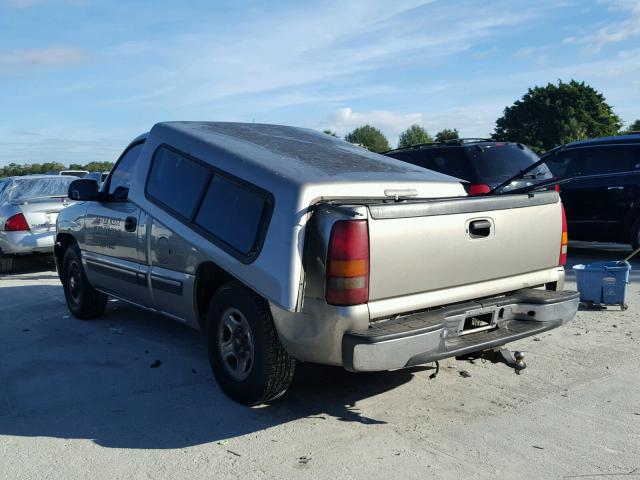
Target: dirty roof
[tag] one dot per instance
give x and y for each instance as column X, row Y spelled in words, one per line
column 294, row 151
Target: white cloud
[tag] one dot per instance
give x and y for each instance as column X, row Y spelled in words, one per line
column 308, row 45
column 32, row 3
column 15, row 61
column 63, row 143
column 613, row 32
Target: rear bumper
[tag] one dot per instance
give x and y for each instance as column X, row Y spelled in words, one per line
column 21, row 243
column 434, row 335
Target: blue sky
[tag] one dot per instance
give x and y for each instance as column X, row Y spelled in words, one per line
column 80, row 78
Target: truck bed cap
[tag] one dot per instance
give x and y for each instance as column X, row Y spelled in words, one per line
column 300, row 155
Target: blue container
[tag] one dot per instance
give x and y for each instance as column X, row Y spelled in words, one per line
column 603, row 283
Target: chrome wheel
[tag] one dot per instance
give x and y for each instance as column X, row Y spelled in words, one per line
column 235, row 344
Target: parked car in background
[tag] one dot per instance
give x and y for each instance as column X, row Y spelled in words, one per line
column 99, row 177
column 29, row 208
column 74, row 173
column 484, row 164
column 285, row 244
column 602, row 199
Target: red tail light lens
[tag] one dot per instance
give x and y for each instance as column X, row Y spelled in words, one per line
column 348, row 263
column 556, row 187
column 478, row 188
column 16, row 223
column 564, row 240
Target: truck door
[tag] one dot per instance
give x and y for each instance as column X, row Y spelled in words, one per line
column 113, row 251
column 597, row 204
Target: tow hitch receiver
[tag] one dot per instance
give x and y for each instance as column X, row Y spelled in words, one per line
column 513, row 359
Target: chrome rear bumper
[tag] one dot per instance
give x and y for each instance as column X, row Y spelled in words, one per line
column 428, row 336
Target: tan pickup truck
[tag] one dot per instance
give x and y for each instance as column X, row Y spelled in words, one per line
column 284, row 244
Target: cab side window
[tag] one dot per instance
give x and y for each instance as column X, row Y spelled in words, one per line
column 177, row 182
column 123, row 171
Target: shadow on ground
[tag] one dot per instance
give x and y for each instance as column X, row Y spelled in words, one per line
column 66, row 378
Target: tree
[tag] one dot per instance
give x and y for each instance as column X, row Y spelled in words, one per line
column 329, row 132
column 553, row 115
column 13, row 169
column 98, row 166
column 414, row 135
column 634, row 127
column 447, row 134
column 370, row 138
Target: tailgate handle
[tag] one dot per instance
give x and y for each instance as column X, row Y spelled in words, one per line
column 480, row 228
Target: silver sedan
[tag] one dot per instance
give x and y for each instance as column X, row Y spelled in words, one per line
column 29, row 207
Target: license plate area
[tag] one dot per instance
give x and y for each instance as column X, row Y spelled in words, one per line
column 477, row 321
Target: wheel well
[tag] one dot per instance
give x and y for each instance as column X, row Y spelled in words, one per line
column 63, row 240
column 209, row 278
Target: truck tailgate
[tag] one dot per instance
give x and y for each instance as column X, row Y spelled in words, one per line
column 421, row 246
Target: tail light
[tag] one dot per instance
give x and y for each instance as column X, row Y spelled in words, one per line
column 478, row 188
column 16, row 223
column 556, row 187
column 564, row 240
column 348, row 263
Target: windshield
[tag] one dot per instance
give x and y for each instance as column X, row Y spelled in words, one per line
column 499, row 162
column 25, row 188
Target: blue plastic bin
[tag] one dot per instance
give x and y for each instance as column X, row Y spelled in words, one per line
column 603, row 283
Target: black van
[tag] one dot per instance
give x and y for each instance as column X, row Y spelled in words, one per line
column 603, row 203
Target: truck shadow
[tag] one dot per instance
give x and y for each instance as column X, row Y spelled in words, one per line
column 95, row 380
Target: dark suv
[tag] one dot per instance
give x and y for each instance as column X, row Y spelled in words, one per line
column 603, row 202
column 483, row 163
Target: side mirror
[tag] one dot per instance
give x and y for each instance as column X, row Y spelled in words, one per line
column 120, row 194
column 83, row 189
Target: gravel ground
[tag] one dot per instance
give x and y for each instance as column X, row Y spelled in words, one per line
column 131, row 396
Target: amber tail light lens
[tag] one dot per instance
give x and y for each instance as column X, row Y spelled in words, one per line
column 564, row 240
column 347, row 280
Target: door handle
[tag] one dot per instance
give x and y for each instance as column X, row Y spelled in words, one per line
column 615, row 188
column 480, row 228
column 130, row 224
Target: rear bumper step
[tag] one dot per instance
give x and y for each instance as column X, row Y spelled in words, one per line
column 428, row 336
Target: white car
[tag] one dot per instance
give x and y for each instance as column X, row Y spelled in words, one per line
column 29, row 207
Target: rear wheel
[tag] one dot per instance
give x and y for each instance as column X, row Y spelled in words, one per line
column 635, row 235
column 6, row 264
column 246, row 356
column 84, row 301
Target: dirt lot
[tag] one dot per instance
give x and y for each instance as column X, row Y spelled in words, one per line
column 131, row 396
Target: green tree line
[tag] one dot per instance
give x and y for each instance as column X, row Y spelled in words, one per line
column 14, row 169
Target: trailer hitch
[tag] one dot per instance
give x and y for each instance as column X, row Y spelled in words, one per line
column 513, row 359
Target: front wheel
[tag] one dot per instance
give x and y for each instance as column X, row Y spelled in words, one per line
column 246, row 356
column 84, row 301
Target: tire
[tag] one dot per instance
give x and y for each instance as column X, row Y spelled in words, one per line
column 6, row 264
column 635, row 235
column 84, row 301
column 246, row 356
